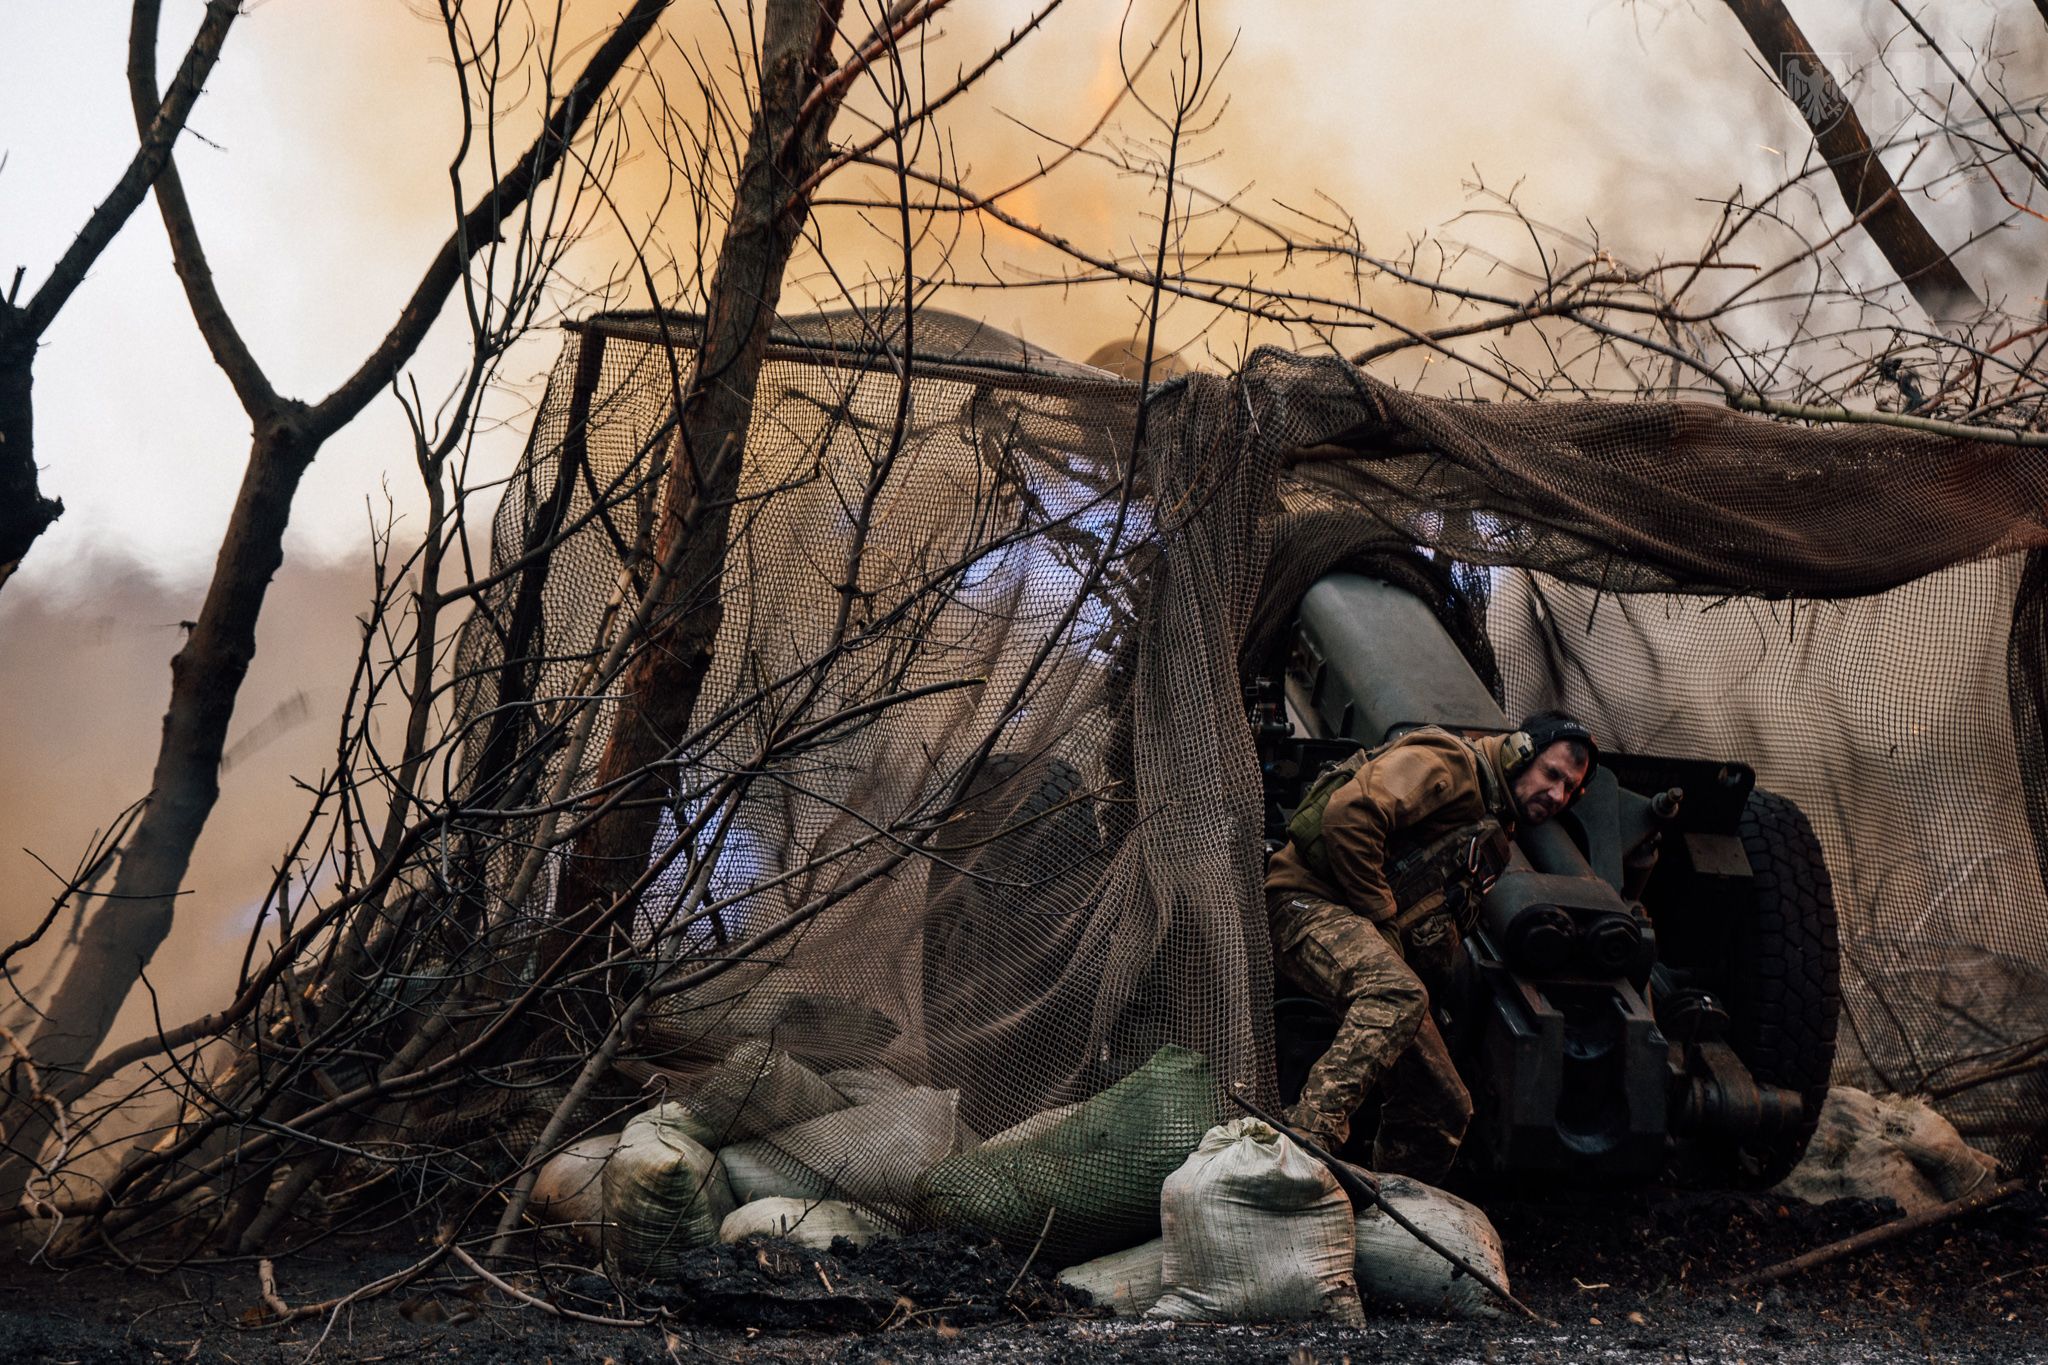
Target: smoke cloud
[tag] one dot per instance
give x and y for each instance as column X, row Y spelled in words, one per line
column 85, row 673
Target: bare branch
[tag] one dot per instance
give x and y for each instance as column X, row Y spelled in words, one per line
column 1867, row 187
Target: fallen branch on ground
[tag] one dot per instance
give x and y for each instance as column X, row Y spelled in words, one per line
column 266, row 1275
column 1884, row 1232
column 535, row 1301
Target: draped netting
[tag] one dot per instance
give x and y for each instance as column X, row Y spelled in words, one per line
column 997, row 824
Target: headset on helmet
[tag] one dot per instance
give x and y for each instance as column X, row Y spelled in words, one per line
column 1537, row 733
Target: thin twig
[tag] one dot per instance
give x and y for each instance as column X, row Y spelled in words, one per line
column 1035, row 1246
column 533, row 1301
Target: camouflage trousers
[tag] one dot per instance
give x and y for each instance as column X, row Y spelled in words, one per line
column 1384, row 1034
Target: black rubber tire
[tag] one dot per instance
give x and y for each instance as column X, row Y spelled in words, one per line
column 1782, row 978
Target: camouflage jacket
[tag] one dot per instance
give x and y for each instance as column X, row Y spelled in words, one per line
column 1415, row 790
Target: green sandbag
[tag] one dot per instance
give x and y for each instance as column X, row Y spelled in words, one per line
column 1033, row 1128
column 1099, row 1168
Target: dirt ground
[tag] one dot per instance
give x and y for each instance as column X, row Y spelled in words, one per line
column 1634, row 1277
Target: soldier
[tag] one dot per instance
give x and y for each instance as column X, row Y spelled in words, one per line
column 1383, row 870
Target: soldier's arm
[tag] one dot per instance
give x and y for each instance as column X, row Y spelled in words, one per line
column 1404, row 785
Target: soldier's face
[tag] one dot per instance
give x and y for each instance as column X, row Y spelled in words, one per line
column 1546, row 786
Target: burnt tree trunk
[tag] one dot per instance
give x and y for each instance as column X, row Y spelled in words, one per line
column 1867, row 187
column 521, row 642
column 660, row 686
column 124, row 934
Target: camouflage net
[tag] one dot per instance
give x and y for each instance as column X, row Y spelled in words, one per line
column 1056, row 868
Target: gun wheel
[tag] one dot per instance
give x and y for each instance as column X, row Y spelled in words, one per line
column 1782, row 981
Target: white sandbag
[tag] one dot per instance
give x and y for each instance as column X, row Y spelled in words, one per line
column 568, row 1191
column 864, row 1085
column 807, row 1222
column 1125, row 1282
column 1393, row 1266
column 664, row 1193
column 820, row 1028
column 1885, row 1147
column 878, row 1150
column 1255, row 1230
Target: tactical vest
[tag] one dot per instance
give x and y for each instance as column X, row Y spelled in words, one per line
column 1449, row 873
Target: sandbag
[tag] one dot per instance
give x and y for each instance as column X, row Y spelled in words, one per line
column 756, row 1170
column 811, row 1223
column 568, row 1191
column 876, row 1151
column 862, row 1084
column 1885, row 1147
column 664, row 1193
column 755, row 1090
column 1098, row 1169
column 829, row 1031
column 1256, row 1230
column 1395, row 1267
column 1125, row 1282
column 1038, row 1125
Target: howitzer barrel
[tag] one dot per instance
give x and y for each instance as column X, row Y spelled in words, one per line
column 1371, row 659
column 1551, row 850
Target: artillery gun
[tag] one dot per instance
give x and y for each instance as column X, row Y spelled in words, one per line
column 1648, row 989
